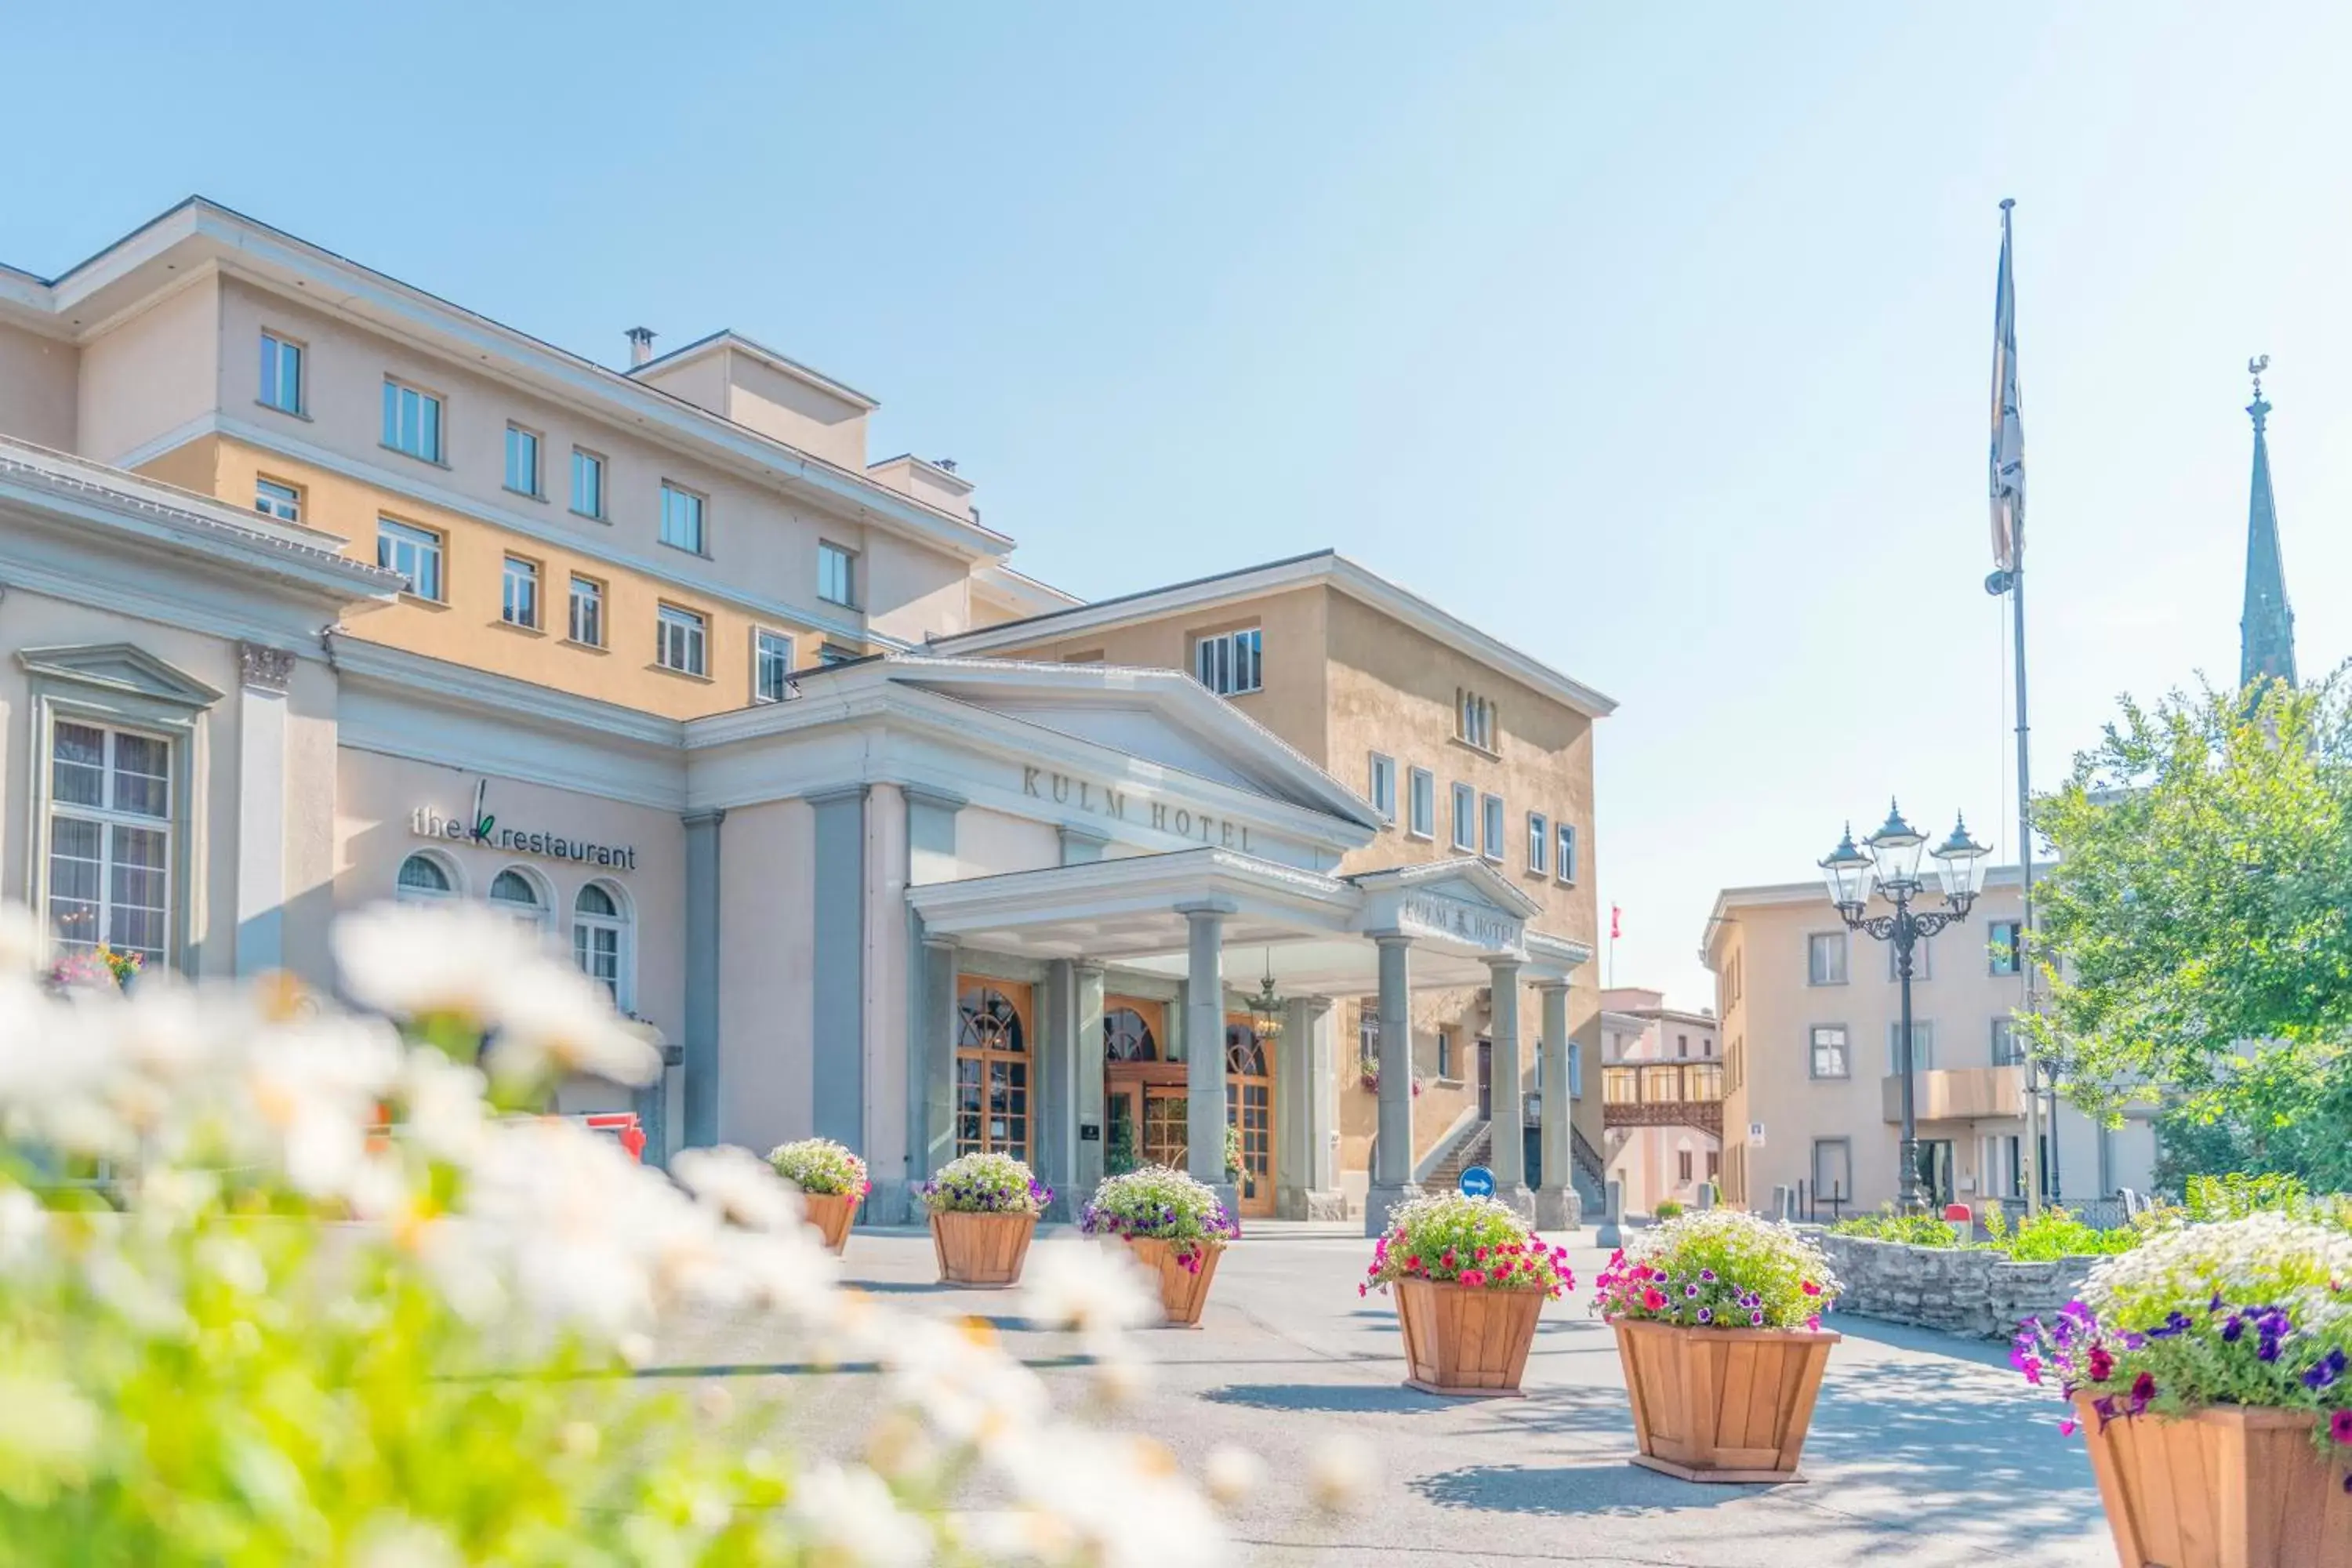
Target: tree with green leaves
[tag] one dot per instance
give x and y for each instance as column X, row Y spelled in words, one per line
column 2196, row 932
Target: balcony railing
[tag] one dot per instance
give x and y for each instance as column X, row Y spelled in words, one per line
column 1958, row 1094
column 1664, row 1094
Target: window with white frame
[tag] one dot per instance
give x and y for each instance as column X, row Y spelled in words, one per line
column 281, row 373
column 1446, row 1066
column 836, row 574
column 1383, row 791
column 683, row 637
column 682, row 518
column 587, row 610
column 2002, row 939
column 1231, row 663
column 413, row 553
column 771, row 665
column 424, row 879
column 1474, row 718
column 1923, row 967
column 518, row 592
column 1825, row 958
column 587, row 483
column 1491, row 814
column 1827, row 1054
column 522, row 461
column 1421, row 804
column 1539, row 843
column 272, row 497
column 599, row 932
column 1922, row 1045
column 2007, row 1045
column 412, row 421
column 1465, row 818
column 1563, row 860
column 514, row 893
column 110, row 840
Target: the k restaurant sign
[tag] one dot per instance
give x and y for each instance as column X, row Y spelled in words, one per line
column 483, row 828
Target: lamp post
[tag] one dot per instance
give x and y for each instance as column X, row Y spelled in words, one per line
column 1892, row 865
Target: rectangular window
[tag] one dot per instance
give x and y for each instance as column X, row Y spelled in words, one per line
column 772, row 661
column 1491, row 811
column 2002, row 939
column 1682, row 1165
column 588, row 611
column 682, row 518
column 412, row 421
column 1231, row 662
column 281, row 373
column 110, row 840
column 2008, row 1049
column 683, row 635
column 1714, row 1164
column 282, row 502
column 1539, row 843
column 1465, row 818
column 1446, row 1053
column 522, row 461
column 1682, row 1045
column 1922, row 1045
column 518, row 592
column 1474, row 718
column 587, row 484
column 1923, row 960
column 836, row 575
column 833, row 653
column 1564, row 863
column 413, row 553
column 1422, row 804
column 1383, row 786
column 1825, row 958
column 1829, row 1051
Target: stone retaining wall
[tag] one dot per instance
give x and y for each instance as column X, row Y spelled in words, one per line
column 1969, row 1290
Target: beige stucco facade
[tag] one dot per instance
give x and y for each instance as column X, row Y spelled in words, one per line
column 1827, row 1118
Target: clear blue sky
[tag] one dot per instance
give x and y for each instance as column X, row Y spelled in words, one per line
column 1653, row 339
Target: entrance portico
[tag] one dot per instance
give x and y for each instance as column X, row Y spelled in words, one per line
column 1193, row 932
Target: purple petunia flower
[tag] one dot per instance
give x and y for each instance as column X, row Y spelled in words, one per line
column 1705, row 1315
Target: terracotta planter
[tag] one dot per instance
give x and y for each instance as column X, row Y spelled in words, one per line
column 2226, row 1488
column 1464, row 1342
column 831, row 1214
column 1182, row 1291
column 1722, row 1405
column 982, row 1249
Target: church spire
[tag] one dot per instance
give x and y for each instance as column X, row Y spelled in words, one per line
column 2266, row 634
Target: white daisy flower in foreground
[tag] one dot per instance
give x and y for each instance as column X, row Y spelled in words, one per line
column 739, row 1185
column 1086, row 1287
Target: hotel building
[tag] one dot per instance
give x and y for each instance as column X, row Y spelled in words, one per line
column 1811, row 1020
column 320, row 590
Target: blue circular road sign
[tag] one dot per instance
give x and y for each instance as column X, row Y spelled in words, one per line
column 1479, row 1182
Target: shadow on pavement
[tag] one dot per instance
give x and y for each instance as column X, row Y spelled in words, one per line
column 1340, row 1401
column 1903, row 1336
column 1561, row 1490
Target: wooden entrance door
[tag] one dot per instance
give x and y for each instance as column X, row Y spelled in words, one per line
column 992, row 1066
column 1144, row 1108
column 1249, row 1110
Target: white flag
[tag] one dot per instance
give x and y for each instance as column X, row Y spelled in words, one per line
column 2008, row 458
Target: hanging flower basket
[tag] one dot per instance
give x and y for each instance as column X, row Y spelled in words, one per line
column 1717, row 1316
column 1470, row 1280
column 1174, row 1227
column 983, row 1209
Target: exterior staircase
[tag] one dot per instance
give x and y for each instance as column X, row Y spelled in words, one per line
column 1474, row 1145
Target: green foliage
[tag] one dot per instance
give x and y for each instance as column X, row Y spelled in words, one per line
column 820, row 1167
column 2197, row 929
column 2056, row 1233
column 1233, row 1151
column 1666, row 1209
column 1913, row 1229
column 1453, row 1238
column 1120, row 1154
column 1721, row 1268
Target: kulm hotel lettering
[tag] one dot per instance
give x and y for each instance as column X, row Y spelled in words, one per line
column 1101, row 800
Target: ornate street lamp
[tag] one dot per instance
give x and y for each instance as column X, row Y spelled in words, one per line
column 1892, row 865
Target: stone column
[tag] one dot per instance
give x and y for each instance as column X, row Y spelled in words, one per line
column 1087, row 979
column 1391, row 1181
column 1054, row 1108
column 261, row 824
column 837, row 982
column 1204, row 1035
column 1304, row 1187
column 1507, row 1129
column 931, row 1106
column 701, row 1062
column 1557, row 1206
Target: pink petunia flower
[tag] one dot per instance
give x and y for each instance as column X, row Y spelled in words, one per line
column 2339, row 1426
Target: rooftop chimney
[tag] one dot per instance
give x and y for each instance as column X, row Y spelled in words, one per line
column 641, row 345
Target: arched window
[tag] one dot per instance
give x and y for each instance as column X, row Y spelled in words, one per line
column 992, row 1069
column 1127, row 1037
column 513, row 892
column 599, row 939
column 424, row 879
column 1244, row 1052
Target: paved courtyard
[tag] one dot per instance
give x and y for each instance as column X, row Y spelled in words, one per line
column 1925, row 1450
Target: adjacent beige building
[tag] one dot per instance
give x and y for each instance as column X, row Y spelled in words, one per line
column 1809, row 1018
column 1662, row 1097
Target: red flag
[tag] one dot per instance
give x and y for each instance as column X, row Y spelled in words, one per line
column 1616, row 922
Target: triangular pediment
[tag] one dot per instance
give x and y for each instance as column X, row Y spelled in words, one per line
column 1466, row 881
column 120, row 668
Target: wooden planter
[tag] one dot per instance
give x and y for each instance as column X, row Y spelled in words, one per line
column 831, row 1214
column 2226, row 1488
column 1182, row 1291
column 1464, row 1342
column 981, row 1249
column 1722, row 1405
